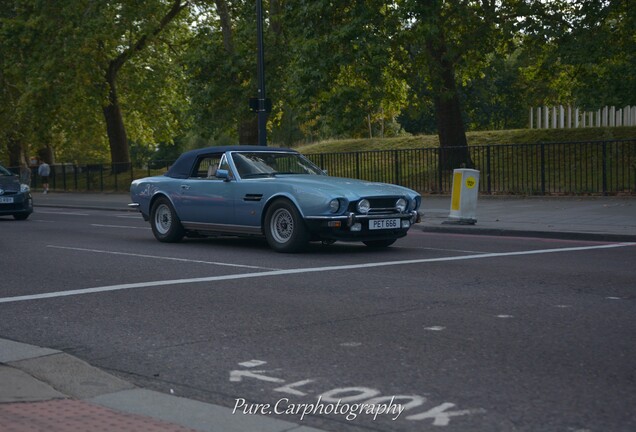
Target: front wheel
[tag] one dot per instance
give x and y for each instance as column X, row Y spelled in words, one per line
column 379, row 243
column 165, row 223
column 285, row 229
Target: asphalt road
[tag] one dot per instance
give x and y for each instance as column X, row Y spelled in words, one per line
column 468, row 333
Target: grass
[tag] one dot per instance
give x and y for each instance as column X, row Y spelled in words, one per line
column 513, row 136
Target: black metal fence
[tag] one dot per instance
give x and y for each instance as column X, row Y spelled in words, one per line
column 573, row 168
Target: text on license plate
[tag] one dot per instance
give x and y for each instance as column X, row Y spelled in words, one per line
column 375, row 224
column 6, row 200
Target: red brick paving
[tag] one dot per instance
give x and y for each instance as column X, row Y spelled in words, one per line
column 67, row 415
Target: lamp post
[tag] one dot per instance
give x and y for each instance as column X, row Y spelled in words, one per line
column 262, row 108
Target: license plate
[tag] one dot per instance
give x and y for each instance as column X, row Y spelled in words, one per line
column 6, row 200
column 375, row 224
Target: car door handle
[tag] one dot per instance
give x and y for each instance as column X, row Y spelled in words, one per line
column 185, row 187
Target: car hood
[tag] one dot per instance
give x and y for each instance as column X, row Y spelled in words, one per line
column 9, row 183
column 350, row 188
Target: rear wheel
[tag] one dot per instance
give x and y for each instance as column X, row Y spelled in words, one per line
column 379, row 243
column 165, row 223
column 285, row 229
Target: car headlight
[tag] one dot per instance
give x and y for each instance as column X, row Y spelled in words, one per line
column 334, row 205
column 400, row 205
column 364, row 206
column 414, row 204
column 24, row 188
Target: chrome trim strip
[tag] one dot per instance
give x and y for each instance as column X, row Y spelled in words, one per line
column 222, row 228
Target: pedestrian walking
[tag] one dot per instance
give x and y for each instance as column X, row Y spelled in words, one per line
column 44, row 170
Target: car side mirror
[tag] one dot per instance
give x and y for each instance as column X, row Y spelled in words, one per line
column 223, row 174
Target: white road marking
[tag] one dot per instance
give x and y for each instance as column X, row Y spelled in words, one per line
column 238, row 375
column 301, row 271
column 119, row 226
column 252, row 363
column 291, row 388
column 351, row 344
column 61, row 213
column 159, row 257
column 435, row 328
column 505, row 316
column 440, row 249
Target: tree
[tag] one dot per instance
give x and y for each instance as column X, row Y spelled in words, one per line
column 438, row 38
column 221, row 65
column 81, row 64
column 342, row 66
column 138, row 30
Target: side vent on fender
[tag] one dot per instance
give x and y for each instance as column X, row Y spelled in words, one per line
column 252, row 197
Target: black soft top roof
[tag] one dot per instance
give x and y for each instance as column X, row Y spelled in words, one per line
column 183, row 165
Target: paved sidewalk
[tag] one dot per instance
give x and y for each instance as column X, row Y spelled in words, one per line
column 588, row 218
column 45, row 390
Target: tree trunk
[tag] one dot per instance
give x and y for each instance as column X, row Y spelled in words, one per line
column 450, row 125
column 16, row 154
column 119, row 150
column 247, row 126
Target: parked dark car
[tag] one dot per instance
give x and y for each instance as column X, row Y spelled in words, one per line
column 15, row 198
column 272, row 192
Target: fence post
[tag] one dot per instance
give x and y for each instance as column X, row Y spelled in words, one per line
column 396, row 161
column 439, row 169
column 488, row 169
column 542, row 169
column 64, row 176
column 604, row 168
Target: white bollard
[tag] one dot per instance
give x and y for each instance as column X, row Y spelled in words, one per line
column 464, row 197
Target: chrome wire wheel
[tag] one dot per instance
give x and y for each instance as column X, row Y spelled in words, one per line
column 163, row 219
column 282, row 225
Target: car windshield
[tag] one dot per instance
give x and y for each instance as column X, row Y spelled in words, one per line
column 4, row 171
column 266, row 164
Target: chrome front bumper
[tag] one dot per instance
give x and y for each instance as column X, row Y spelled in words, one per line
column 351, row 218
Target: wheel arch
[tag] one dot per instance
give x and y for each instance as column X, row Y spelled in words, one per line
column 272, row 200
column 158, row 195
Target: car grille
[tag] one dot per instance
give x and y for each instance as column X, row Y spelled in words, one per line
column 379, row 206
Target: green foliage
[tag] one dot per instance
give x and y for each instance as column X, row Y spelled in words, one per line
column 55, row 58
column 349, row 69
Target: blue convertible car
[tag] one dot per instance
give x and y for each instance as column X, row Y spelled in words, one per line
column 271, row 192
